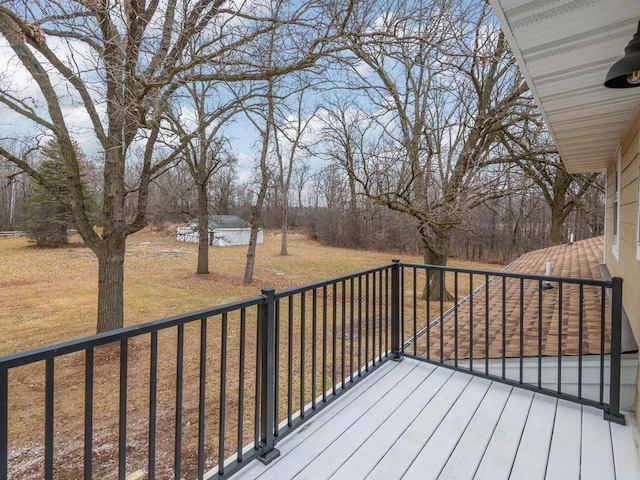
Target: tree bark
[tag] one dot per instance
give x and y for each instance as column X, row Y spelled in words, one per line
column 435, row 245
column 285, row 225
column 354, row 223
column 203, row 230
column 256, row 212
column 111, row 283
column 256, row 217
column 556, row 229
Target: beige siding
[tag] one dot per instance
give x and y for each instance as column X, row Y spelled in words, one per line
column 626, row 265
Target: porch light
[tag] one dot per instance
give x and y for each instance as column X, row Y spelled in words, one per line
column 625, row 73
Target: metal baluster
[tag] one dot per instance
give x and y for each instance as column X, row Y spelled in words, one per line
column 428, row 295
column 178, row 420
column 334, row 334
column 241, row 368
column 351, row 325
column 290, row 363
column 343, row 316
column 602, row 344
column 122, row 428
column 560, row 302
column 471, row 323
column 48, row 419
column 88, row 414
column 4, row 424
column 360, row 325
column 223, row 393
column 521, row 330
column 153, row 391
column 302, row 351
column 486, row 325
column 540, row 290
column 324, row 343
column 504, row 326
column 201, row 396
column 314, row 332
column 455, row 319
column 442, row 290
column 580, row 337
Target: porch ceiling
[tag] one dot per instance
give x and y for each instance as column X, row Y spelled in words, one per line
column 564, row 49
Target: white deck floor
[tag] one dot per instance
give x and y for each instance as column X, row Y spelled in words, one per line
column 412, row 420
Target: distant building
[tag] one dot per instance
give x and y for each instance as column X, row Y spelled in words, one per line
column 224, row 231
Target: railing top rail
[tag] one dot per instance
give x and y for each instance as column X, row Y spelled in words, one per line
column 330, row 281
column 76, row 345
column 501, row 273
column 63, row 348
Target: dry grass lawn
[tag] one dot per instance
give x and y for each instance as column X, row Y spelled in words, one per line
column 50, row 296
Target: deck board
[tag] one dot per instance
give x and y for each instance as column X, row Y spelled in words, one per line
column 466, row 457
column 596, row 440
column 411, row 420
column 337, row 418
column 399, row 457
column 500, row 454
column 625, row 451
column 564, row 453
column 533, row 451
column 362, row 461
column 438, row 449
column 333, row 456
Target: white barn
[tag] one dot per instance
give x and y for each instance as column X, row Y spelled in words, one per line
column 224, row 231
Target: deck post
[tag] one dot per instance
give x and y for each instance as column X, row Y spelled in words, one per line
column 4, row 423
column 395, row 310
column 267, row 381
column 612, row 413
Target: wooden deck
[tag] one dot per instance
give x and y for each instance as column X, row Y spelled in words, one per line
column 412, row 420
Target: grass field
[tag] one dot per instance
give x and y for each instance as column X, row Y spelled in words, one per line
column 49, row 296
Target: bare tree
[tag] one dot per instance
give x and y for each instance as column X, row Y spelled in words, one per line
column 223, row 189
column 347, row 133
column 291, row 125
column 120, row 63
column 265, row 128
column 444, row 85
column 563, row 192
column 13, row 193
column 204, row 153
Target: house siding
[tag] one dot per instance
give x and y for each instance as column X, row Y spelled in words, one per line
column 626, row 265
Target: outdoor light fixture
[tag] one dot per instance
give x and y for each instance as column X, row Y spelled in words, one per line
column 625, row 73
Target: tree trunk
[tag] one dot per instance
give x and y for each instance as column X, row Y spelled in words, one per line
column 435, row 243
column 256, row 213
column 203, row 231
column 256, row 216
column 285, row 228
column 251, row 256
column 111, row 283
column 354, row 224
column 556, row 230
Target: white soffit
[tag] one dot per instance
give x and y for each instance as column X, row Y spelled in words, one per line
column 564, row 49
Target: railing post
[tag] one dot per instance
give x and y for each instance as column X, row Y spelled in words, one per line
column 613, row 412
column 395, row 310
column 267, row 381
column 4, row 423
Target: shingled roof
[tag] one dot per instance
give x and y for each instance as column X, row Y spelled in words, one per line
column 515, row 310
column 227, row 221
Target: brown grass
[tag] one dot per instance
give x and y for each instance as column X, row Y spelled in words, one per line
column 49, row 296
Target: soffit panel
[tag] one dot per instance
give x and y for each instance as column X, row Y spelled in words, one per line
column 564, row 49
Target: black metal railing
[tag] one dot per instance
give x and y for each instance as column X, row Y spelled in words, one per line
column 554, row 335
column 201, row 395
column 193, row 396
